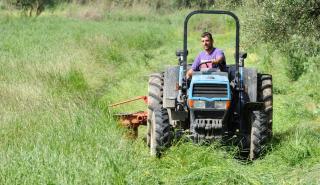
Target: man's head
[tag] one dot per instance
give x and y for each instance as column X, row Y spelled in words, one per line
column 207, row 41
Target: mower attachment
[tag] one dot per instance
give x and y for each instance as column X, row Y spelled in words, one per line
column 132, row 120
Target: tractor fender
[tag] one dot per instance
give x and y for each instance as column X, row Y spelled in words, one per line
column 250, row 84
column 170, row 91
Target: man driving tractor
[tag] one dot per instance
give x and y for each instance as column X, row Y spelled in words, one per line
column 211, row 57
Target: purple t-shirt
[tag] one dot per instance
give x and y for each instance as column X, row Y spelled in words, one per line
column 204, row 56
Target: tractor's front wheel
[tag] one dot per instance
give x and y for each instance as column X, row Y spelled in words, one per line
column 161, row 132
column 155, row 93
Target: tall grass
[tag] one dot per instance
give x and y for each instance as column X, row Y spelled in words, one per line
column 60, row 73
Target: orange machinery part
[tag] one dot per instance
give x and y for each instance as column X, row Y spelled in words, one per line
column 133, row 120
column 144, row 98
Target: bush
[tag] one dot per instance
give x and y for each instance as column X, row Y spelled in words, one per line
column 289, row 25
column 156, row 4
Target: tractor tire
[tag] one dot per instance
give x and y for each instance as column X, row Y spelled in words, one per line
column 259, row 134
column 265, row 95
column 261, row 121
column 161, row 133
column 155, row 94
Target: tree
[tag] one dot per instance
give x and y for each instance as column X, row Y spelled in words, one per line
column 31, row 6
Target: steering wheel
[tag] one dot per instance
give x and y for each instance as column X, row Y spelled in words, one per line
column 206, row 63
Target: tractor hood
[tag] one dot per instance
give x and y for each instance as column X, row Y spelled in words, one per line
column 210, row 77
column 212, row 86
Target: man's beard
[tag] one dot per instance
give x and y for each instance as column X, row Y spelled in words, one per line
column 208, row 48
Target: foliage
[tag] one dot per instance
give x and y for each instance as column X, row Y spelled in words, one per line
column 30, row 7
column 292, row 26
column 157, row 4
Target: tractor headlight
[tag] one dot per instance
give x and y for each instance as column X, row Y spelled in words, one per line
column 220, row 104
column 200, row 104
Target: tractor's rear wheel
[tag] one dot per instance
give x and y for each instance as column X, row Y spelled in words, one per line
column 265, row 95
column 259, row 134
column 161, row 132
column 155, row 94
column 261, row 121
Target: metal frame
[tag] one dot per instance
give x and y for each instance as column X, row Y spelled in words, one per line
column 185, row 34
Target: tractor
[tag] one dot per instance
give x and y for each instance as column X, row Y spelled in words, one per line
column 214, row 105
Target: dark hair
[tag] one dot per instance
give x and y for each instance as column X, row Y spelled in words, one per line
column 207, row 34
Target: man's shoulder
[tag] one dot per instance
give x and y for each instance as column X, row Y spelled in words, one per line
column 218, row 50
column 201, row 53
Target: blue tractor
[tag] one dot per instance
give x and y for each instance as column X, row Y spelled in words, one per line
column 213, row 105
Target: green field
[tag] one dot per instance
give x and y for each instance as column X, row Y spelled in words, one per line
column 60, row 71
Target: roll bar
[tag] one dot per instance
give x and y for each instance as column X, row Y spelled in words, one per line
column 185, row 35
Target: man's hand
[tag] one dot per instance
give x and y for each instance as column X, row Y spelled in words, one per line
column 218, row 60
column 214, row 61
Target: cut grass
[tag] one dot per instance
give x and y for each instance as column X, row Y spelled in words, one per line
column 58, row 76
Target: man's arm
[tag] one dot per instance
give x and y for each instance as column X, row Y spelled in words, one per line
column 194, row 67
column 218, row 60
column 189, row 73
